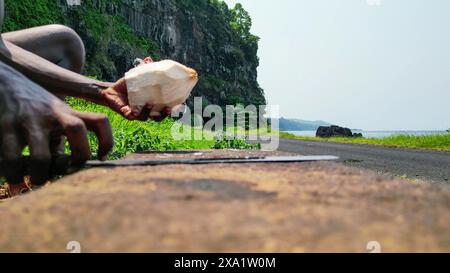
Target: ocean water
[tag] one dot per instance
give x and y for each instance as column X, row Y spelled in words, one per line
column 375, row 134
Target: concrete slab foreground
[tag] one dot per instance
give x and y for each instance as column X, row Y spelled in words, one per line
column 300, row 207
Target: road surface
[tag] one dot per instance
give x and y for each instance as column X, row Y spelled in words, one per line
column 425, row 165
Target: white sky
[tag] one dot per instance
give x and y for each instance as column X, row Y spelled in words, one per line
column 374, row 67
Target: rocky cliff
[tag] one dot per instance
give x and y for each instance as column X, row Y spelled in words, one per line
column 204, row 34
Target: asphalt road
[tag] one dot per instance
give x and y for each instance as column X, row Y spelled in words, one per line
column 415, row 164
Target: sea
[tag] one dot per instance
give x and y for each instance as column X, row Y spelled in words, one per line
column 375, row 134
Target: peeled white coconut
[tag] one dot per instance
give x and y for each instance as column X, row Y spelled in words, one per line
column 160, row 84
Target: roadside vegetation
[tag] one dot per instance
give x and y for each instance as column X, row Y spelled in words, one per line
column 439, row 142
column 137, row 136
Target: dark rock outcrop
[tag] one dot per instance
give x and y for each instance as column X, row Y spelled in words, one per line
column 333, row 131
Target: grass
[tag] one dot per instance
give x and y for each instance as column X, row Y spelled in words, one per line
column 137, row 136
column 439, row 142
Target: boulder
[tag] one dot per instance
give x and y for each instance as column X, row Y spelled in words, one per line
column 333, row 131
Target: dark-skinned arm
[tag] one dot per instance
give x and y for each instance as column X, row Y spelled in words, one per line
column 63, row 82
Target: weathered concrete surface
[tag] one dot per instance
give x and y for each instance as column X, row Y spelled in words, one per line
column 228, row 208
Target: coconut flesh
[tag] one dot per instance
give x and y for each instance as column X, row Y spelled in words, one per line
column 159, row 84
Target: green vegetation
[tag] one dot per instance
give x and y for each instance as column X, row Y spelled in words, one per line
column 111, row 44
column 434, row 142
column 29, row 13
column 241, row 22
column 136, row 136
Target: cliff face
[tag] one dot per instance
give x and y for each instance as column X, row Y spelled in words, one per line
column 198, row 33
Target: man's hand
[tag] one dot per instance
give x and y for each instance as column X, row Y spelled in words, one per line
column 117, row 99
column 30, row 116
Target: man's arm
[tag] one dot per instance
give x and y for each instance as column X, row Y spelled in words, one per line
column 56, row 79
column 63, row 82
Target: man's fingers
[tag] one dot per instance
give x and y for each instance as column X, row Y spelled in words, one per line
column 127, row 113
column 160, row 114
column 167, row 110
column 148, row 60
column 100, row 125
column 40, row 159
column 11, row 153
column 145, row 113
column 57, row 147
column 76, row 132
column 12, row 163
column 156, row 113
column 121, row 87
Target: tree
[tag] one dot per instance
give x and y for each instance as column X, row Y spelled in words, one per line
column 241, row 22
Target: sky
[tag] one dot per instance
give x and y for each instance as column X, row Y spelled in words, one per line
column 368, row 64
